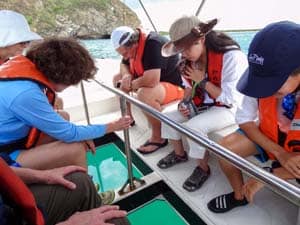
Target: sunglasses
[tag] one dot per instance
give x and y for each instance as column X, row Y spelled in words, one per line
column 289, row 105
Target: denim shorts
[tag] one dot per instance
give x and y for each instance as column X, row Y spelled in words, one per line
column 14, row 155
column 262, row 156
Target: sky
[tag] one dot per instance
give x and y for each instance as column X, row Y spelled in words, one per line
column 232, row 14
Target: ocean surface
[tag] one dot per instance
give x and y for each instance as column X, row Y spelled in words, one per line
column 102, row 48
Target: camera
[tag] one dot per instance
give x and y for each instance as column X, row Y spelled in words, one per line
column 189, row 104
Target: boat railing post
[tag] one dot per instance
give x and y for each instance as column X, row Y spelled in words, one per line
column 85, row 105
column 127, row 144
column 132, row 183
column 199, row 8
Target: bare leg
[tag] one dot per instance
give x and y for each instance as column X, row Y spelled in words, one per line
column 45, row 139
column 242, row 146
column 203, row 163
column 178, row 147
column 153, row 97
column 53, row 155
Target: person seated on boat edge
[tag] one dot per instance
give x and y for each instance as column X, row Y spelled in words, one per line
column 155, row 79
column 272, row 81
column 51, row 66
column 213, row 65
column 15, row 37
column 43, row 199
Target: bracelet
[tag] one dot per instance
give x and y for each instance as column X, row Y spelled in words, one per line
column 202, row 83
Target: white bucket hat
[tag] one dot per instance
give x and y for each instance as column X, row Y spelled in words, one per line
column 14, row 29
column 121, row 35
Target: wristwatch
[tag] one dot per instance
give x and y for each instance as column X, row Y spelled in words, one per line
column 203, row 83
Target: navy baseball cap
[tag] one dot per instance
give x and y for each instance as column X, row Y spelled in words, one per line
column 274, row 54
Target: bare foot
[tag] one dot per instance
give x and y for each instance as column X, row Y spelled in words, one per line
column 251, row 187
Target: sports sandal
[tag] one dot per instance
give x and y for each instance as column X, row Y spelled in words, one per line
column 224, row 203
column 196, row 180
column 171, row 159
column 156, row 144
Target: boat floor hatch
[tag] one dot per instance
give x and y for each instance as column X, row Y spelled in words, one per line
column 158, row 204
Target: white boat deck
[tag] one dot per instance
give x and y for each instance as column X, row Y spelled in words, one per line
column 268, row 208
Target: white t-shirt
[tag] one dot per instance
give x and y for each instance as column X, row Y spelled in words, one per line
column 247, row 111
column 234, row 65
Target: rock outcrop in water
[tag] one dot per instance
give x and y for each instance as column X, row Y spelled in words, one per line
column 85, row 19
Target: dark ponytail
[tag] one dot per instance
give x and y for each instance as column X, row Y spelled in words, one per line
column 220, row 42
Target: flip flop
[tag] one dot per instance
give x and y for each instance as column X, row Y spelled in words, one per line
column 158, row 145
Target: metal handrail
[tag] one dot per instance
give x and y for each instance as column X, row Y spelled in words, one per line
column 200, row 8
column 148, row 16
column 280, row 186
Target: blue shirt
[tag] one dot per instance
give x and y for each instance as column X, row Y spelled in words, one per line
column 23, row 105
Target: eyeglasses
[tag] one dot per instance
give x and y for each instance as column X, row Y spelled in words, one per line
column 289, row 105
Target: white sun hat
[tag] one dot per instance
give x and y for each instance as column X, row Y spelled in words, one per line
column 121, row 35
column 14, row 29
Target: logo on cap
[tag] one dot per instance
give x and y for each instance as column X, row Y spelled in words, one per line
column 254, row 58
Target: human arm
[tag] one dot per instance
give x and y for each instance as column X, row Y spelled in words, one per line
column 245, row 117
column 198, row 76
column 98, row 216
column 182, row 108
column 234, row 65
column 125, row 77
column 149, row 79
column 51, row 176
column 153, row 64
column 31, row 108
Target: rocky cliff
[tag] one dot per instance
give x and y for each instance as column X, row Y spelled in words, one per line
column 84, row 19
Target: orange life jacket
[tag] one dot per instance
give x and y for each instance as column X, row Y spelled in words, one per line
column 214, row 72
column 13, row 188
column 269, row 126
column 136, row 65
column 21, row 68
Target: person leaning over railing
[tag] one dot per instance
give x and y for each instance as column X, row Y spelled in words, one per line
column 27, row 92
column 27, row 86
column 272, row 84
column 143, row 70
column 15, row 37
column 213, row 65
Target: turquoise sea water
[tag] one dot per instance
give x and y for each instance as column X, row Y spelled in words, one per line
column 102, row 48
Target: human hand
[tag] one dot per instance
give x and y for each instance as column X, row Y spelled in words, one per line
column 194, row 74
column 290, row 161
column 126, row 83
column 97, row 216
column 251, row 187
column 57, row 175
column 134, row 85
column 120, row 124
column 184, row 110
column 90, row 145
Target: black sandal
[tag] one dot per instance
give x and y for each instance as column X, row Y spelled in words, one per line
column 225, row 203
column 196, row 180
column 171, row 159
